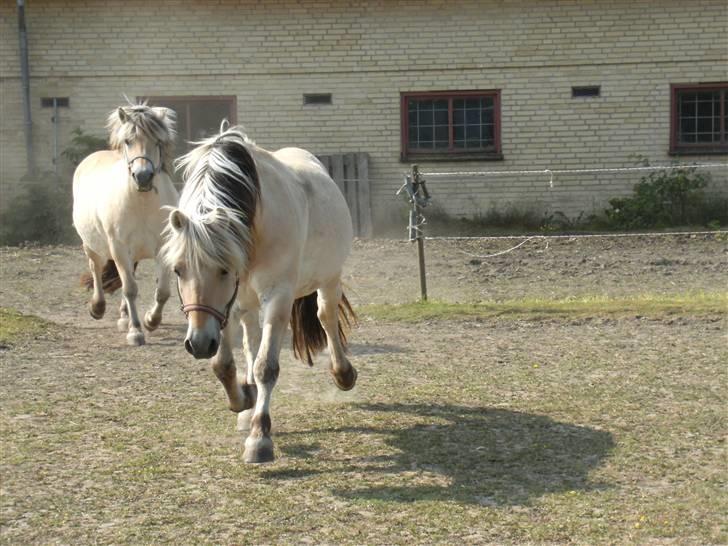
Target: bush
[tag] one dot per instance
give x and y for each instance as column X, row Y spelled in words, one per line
column 41, row 212
column 663, row 199
column 82, row 145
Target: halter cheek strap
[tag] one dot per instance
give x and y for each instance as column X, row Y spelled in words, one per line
column 222, row 318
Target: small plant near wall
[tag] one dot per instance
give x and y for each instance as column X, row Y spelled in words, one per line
column 82, row 145
column 664, row 198
column 39, row 213
column 40, row 210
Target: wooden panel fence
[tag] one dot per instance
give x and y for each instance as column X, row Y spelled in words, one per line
column 350, row 171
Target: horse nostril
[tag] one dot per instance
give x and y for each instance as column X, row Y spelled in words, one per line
column 142, row 177
column 188, row 346
column 213, row 347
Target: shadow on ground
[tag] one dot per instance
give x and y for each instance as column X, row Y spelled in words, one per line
column 465, row 454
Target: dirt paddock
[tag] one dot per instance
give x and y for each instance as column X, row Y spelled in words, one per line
column 589, row 429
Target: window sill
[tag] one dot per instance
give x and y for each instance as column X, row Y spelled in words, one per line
column 698, row 151
column 409, row 157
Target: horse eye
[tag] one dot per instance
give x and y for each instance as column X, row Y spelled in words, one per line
column 176, row 271
column 223, row 272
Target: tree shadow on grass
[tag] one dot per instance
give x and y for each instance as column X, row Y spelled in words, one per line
column 474, row 455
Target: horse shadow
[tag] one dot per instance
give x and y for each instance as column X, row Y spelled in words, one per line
column 472, row 455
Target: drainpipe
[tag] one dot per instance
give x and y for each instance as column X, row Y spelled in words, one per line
column 25, row 81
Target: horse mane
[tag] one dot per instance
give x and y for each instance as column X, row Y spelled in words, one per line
column 143, row 121
column 219, row 199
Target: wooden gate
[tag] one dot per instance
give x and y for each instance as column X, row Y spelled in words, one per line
column 351, row 173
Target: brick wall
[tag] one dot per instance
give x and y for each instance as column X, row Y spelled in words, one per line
column 268, row 54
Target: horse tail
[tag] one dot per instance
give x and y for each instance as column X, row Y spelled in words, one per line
column 308, row 335
column 110, row 278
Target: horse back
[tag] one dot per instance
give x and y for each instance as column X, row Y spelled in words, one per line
column 325, row 231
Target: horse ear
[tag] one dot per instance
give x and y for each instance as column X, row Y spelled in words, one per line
column 161, row 111
column 177, row 219
column 122, row 115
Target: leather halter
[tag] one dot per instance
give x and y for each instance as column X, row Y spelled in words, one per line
column 155, row 168
column 222, row 318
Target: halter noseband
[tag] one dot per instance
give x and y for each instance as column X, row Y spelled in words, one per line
column 222, row 318
column 155, row 168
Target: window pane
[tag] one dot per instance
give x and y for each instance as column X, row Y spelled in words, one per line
column 206, row 116
column 440, row 123
column 474, row 122
column 698, row 115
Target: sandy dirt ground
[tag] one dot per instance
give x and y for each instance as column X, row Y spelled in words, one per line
column 69, row 395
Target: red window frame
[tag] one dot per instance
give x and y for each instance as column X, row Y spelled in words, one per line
column 697, row 148
column 451, row 153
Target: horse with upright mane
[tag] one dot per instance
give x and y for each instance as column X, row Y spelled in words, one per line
column 118, row 200
column 268, row 231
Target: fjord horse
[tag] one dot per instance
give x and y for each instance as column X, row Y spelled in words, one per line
column 261, row 234
column 118, row 200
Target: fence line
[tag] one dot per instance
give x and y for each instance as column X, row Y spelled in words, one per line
column 552, row 172
column 577, row 236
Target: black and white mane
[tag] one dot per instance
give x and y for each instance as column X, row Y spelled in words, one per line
column 219, row 199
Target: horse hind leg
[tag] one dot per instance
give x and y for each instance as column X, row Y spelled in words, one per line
column 153, row 317
column 333, row 308
column 97, row 305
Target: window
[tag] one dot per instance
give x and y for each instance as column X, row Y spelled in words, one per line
column 699, row 119
column 197, row 117
column 451, row 125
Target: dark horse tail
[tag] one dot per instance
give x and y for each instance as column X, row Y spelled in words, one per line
column 309, row 336
column 110, row 279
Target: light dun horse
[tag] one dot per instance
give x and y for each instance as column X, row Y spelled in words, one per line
column 270, row 231
column 118, row 196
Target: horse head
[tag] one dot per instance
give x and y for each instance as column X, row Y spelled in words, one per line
column 145, row 137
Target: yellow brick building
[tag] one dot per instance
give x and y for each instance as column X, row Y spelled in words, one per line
column 554, row 84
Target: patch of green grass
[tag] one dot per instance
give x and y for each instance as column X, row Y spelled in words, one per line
column 648, row 305
column 15, row 326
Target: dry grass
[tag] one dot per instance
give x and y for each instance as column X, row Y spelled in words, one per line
column 499, row 430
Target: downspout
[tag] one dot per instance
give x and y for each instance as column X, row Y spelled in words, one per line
column 25, row 82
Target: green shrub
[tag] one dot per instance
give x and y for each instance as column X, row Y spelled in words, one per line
column 40, row 212
column 662, row 198
column 82, row 145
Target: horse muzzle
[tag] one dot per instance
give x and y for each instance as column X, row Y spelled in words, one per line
column 144, row 179
column 201, row 344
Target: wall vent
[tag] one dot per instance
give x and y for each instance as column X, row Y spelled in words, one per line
column 61, row 102
column 316, row 98
column 585, row 91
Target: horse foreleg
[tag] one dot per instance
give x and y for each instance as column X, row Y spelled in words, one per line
column 123, row 323
column 97, row 305
column 154, row 316
column 129, row 288
column 328, row 300
column 276, row 314
column 251, row 344
column 223, row 364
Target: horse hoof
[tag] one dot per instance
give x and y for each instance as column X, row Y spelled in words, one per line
column 122, row 324
column 258, row 450
column 345, row 381
column 151, row 323
column 244, row 418
column 97, row 310
column 135, row 339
